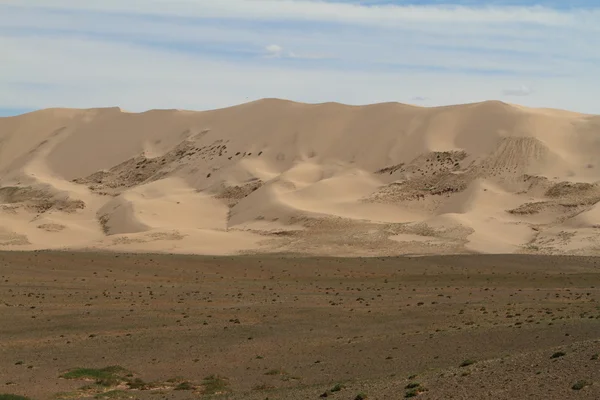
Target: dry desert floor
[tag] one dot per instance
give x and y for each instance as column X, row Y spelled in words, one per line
column 110, row 326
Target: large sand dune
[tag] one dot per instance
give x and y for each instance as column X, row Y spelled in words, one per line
column 279, row 176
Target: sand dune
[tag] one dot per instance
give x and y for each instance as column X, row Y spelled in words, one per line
column 279, row 176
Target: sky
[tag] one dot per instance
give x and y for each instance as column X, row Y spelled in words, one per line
column 206, row 54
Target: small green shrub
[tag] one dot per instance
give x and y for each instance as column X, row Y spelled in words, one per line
column 337, row 388
column 13, row 397
column 414, row 389
column 580, row 385
column 137, row 384
column 263, row 386
column 215, row 384
column 274, row 372
column 558, row 354
column 466, row 363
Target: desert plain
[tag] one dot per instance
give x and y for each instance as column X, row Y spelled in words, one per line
column 281, row 327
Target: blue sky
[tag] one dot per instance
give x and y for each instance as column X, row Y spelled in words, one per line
column 203, row 54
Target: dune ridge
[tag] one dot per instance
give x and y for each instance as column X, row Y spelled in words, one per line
column 279, row 176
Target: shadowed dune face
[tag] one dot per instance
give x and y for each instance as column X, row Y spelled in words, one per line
column 279, row 176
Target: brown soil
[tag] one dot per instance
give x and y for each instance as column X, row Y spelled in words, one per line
column 38, row 200
column 232, row 195
column 282, row 327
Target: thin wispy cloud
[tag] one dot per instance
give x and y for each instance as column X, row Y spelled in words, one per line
column 274, row 50
column 202, row 54
column 519, row 91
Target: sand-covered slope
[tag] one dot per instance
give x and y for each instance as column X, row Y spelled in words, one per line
column 279, row 176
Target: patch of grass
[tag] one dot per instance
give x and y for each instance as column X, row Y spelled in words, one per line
column 13, row 397
column 215, row 384
column 185, row 386
column 274, row 372
column 580, row 385
column 108, row 376
column 466, row 363
column 594, row 357
column 263, row 386
column 285, row 376
column 558, row 354
column 361, row 396
column 113, row 394
column 337, row 388
column 414, row 389
column 137, row 384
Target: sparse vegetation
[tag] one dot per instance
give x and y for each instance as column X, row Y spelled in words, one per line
column 138, row 384
column 361, row 396
column 580, row 385
column 530, row 208
column 263, row 386
column 114, row 376
column 558, row 354
column 215, row 384
column 109, row 376
column 456, row 293
column 185, row 386
column 13, row 397
column 113, row 394
column 337, row 388
column 466, row 363
column 285, row 376
column 413, row 389
column 274, row 372
column 569, row 188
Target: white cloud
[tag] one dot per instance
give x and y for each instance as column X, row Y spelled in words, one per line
column 274, row 50
column 519, row 91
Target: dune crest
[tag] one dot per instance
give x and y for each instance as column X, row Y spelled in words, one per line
column 279, row 176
